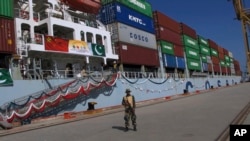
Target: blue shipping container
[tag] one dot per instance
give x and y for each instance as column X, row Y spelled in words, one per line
column 180, row 62
column 169, row 61
column 116, row 12
column 205, row 66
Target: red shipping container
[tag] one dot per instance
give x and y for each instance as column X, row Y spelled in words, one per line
column 210, row 67
column 216, row 68
column 223, row 70
column 136, row 55
column 166, row 34
column 220, row 50
column 212, row 44
column 221, row 56
column 185, row 29
column 7, row 36
column 178, row 50
column 225, row 51
column 228, row 70
column 215, row 60
column 165, row 21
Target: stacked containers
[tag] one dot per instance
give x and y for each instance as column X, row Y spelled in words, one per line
column 237, row 67
column 222, row 60
column 230, row 57
column 214, row 57
column 169, row 40
column 131, row 25
column 204, row 52
column 7, row 34
column 227, row 60
column 191, row 47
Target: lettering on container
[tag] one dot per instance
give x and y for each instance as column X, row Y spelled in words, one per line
column 194, row 64
column 204, row 49
column 135, row 19
column 191, row 42
column 203, row 41
column 138, row 37
column 137, row 3
column 192, row 53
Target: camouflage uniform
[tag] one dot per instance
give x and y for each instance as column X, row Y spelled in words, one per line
column 128, row 102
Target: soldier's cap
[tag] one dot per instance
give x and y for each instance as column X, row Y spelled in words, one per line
column 128, row 90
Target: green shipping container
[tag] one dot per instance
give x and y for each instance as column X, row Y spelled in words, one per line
column 227, row 59
column 214, row 52
column 192, row 53
column 203, row 41
column 189, row 41
column 7, row 8
column 205, row 50
column 139, row 5
column 204, row 58
column 167, row 48
column 222, row 63
column 193, row 64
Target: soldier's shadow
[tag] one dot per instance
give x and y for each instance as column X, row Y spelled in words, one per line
column 118, row 128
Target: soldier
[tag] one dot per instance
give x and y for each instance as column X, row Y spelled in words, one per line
column 128, row 102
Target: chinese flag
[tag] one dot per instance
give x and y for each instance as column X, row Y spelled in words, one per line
column 56, row 44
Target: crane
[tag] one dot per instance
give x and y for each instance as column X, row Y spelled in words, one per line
column 243, row 15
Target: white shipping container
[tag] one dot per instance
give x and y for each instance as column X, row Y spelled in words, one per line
column 232, row 65
column 124, row 33
column 232, row 71
column 230, row 54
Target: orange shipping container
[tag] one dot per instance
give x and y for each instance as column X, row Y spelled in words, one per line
column 220, row 50
column 7, row 36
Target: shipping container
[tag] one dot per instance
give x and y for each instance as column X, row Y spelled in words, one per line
column 223, row 69
column 225, row 51
column 163, row 20
column 204, row 58
column 169, row 61
column 212, row 44
column 205, row 50
column 230, row 54
column 215, row 60
column 138, row 5
column 222, row 63
column 116, row 12
column 178, row 50
column 189, row 41
column 180, row 62
column 229, row 70
column 7, row 8
column 166, row 47
column 166, row 34
column 192, row 53
column 7, row 36
column 187, row 30
column 209, row 67
column 227, row 59
column 205, row 66
column 221, row 56
column 220, row 50
column 214, row 52
column 128, row 34
column 202, row 41
column 193, row 64
column 216, row 68
column 136, row 55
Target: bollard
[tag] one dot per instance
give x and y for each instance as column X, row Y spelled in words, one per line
column 91, row 105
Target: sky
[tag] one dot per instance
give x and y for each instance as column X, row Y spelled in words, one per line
column 211, row 19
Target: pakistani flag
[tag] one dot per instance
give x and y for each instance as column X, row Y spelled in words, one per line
column 5, row 78
column 98, row 50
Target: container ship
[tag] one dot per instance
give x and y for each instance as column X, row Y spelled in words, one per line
column 59, row 56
